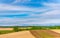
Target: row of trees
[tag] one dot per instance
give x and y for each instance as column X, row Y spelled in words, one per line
column 16, row 28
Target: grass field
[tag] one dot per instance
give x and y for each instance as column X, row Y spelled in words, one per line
column 5, row 31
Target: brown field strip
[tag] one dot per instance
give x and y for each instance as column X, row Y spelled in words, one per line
column 45, row 34
column 36, row 34
column 54, row 34
column 22, row 34
column 6, row 28
column 56, row 30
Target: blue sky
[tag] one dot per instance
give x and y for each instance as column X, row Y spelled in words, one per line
column 30, row 12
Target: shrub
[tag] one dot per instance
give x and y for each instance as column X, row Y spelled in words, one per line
column 16, row 29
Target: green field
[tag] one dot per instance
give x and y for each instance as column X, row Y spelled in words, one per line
column 5, row 31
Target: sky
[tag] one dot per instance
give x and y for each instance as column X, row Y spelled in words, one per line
column 29, row 12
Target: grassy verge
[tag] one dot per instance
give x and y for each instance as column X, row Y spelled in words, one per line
column 5, row 31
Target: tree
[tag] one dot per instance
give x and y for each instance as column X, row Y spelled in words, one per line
column 16, row 29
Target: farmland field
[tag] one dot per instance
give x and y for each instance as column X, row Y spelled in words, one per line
column 45, row 34
column 56, row 30
column 6, row 28
column 33, row 32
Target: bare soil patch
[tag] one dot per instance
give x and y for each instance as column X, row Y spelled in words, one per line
column 56, row 30
column 6, row 28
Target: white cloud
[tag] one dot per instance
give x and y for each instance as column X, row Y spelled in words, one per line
column 51, row 21
column 11, row 7
column 44, row 18
column 52, row 5
column 53, row 12
column 20, row 1
column 19, row 21
column 6, row 7
column 14, row 21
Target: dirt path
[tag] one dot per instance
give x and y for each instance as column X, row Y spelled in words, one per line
column 45, row 34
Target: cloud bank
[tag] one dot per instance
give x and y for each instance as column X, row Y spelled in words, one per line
column 21, row 12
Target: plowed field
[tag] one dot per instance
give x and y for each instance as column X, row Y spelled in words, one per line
column 45, row 34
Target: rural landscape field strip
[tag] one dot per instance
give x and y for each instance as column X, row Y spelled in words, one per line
column 40, row 34
column 36, row 34
column 22, row 34
column 54, row 34
column 45, row 34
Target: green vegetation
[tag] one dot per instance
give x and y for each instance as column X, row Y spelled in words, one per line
column 33, row 27
column 23, row 28
column 5, row 31
column 44, row 27
column 15, row 29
